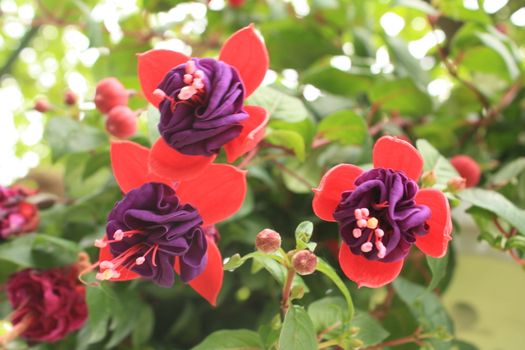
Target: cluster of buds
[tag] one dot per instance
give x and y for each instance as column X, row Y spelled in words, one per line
column 42, row 105
column 111, row 98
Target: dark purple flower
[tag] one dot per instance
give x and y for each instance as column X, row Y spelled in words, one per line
column 203, row 106
column 47, row 304
column 16, row 214
column 382, row 202
column 147, row 230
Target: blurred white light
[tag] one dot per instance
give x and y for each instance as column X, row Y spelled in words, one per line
column 493, row 6
column 26, row 12
column 30, row 159
column 419, row 48
column 382, row 63
column 77, row 83
column 47, row 79
column 311, row 93
column 14, row 29
column 518, row 17
column 343, row 63
column 75, row 39
column 50, row 64
column 32, row 133
column 290, row 78
column 440, row 88
column 269, row 78
column 216, row 5
column 392, row 23
column 427, row 62
column 418, row 23
column 471, row 4
column 28, row 55
column 8, row 6
column 348, row 48
column 89, row 57
column 301, row 7
column 175, row 45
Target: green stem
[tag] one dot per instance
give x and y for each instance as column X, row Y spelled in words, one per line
column 24, row 42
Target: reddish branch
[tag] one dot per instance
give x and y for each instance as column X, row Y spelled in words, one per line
column 414, row 338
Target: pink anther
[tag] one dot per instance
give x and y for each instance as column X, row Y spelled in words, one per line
column 357, row 233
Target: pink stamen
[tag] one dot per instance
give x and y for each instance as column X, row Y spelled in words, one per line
column 198, row 84
column 361, row 223
column 379, row 233
column 140, row 260
column 199, row 74
column 358, row 214
column 366, row 247
column 365, row 212
column 158, row 93
column 372, row 223
column 186, row 93
column 357, row 233
column 107, row 265
column 188, row 79
column 154, row 256
column 100, row 243
column 381, row 249
column 190, row 67
column 118, row 235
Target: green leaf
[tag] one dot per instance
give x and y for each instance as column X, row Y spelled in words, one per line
column 456, row 10
column 328, row 313
column 289, row 139
column 336, row 81
column 145, row 322
column 303, row 233
column 407, row 65
column 517, row 242
column 345, row 127
column 509, row 172
column 298, row 331
column 425, row 306
column 401, row 96
column 492, row 42
column 434, row 161
column 240, row 339
column 99, row 309
column 370, row 330
column 328, row 271
column 277, row 270
column 497, row 204
column 418, row 5
column 67, row 136
column 39, row 250
column 153, row 118
column 438, row 268
column 279, row 105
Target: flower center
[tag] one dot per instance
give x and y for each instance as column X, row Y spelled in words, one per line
column 380, row 219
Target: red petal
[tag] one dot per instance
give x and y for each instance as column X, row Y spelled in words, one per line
column 153, row 65
column 129, row 161
column 328, row 195
column 251, row 134
column 217, row 193
column 170, row 164
column 435, row 242
column 393, row 153
column 125, row 274
column 245, row 51
column 366, row 272
column 209, row 283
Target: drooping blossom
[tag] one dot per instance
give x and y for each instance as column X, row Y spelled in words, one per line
column 47, row 304
column 382, row 213
column 161, row 226
column 17, row 215
column 201, row 103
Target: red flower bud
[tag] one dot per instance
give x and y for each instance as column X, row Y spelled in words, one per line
column 236, row 3
column 268, row 241
column 110, row 93
column 42, row 106
column 304, row 262
column 467, row 168
column 70, row 98
column 121, row 122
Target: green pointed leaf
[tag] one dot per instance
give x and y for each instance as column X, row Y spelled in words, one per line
column 298, row 331
column 345, row 127
column 239, row 339
column 327, row 270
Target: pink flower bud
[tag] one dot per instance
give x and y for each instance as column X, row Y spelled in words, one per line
column 304, row 262
column 467, row 168
column 42, row 106
column 70, row 98
column 268, row 241
column 110, row 93
column 121, row 122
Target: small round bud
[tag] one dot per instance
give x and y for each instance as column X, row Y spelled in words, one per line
column 236, row 3
column 42, row 106
column 467, row 168
column 268, row 241
column 304, row 262
column 429, row 178
column 456, row 184
column 121, row 122
column 110, row 93
column 70, row 98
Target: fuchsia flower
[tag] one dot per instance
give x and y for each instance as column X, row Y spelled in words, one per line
column 161, row 227
column 48, row 304
column 17, row 216
column 201, row 104
column 382, row 213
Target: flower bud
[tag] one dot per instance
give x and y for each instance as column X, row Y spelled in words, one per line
column 121, row 122
column 236, row 3
column 304, row 262
column 110, row 93
column 268, row 241
column 42, row 106
column 467, row 168
column 456, row 184
column 70, row 98
column 429, row 178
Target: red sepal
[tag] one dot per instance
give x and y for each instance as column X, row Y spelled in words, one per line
column 366, row 272
column 247, row 53
column 168, row 163
column 209, row 283
column 435, row 242
column 252, row 133
column 153, row 65
column 217, row 193
column 393, row 153
column 328, row 195
column 125, row 274
column 129, row 162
